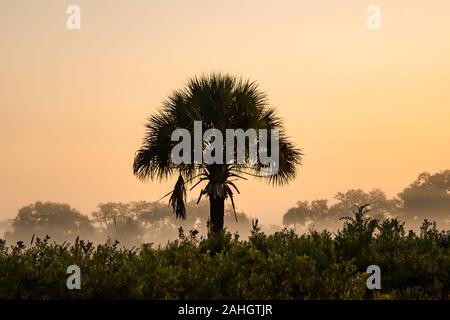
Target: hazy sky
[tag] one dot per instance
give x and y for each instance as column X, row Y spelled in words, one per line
column 369, row 108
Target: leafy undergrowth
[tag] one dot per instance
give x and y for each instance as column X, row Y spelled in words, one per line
column 283, row 265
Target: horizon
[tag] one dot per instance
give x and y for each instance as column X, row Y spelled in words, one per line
column 331, row 201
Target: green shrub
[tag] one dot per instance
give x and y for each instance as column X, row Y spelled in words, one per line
column 282, row 265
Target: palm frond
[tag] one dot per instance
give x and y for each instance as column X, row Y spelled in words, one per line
column 220, row 101
column 178, row 198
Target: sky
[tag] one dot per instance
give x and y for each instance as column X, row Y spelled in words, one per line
column 369, row 108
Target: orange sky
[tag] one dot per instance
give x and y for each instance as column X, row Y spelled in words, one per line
column 369, row 108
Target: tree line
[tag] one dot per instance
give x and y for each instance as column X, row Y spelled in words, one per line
column 134, row 223
column 131, row 223
column 427, row 197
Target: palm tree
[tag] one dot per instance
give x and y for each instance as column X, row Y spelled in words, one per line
column 220, row 102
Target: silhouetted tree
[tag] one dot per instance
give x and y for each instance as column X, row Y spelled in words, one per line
column 317, row 213
column 306, row 213
column 380, row 206
column 221, row 102
column 427, row 197
column 5, row 225
column 59, row 221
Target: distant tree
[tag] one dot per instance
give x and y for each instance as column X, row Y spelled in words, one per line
column 5, row 225
column 428, row 197
column 139, row 222
column 59, row 221
column 112, row 214
column 151, row 213
column 197, row 218
column 306, row 213
column 119, row 221
column 381, row 206
column 319, row 215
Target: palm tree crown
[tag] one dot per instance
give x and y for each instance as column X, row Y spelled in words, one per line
column 220, row 102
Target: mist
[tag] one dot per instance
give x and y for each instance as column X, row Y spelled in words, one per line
column 135, row 223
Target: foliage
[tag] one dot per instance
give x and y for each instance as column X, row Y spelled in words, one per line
column 221, row 102
column 429, row 193
column 131, row 223
column 283, row 265
column 57, row 219
column 427, row 197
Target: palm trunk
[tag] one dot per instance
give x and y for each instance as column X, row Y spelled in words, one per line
column 217, row 211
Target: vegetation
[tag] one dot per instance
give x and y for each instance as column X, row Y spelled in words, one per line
column 326, row 258
column 135, row 223
column 283, row 265
column 221, row 102
column 132, row 223
column 427, row 197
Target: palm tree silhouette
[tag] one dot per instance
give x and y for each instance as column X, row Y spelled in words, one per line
column 221, row 102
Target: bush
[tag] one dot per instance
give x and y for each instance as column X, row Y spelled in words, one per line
column 283, row 265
